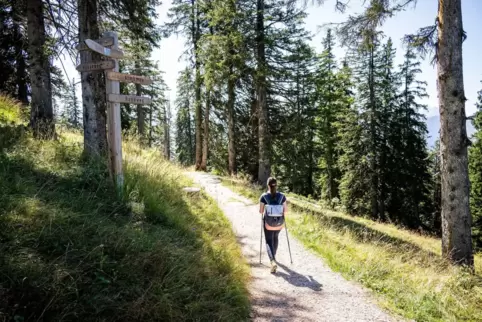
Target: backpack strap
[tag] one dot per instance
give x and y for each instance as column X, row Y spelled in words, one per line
column 264, row 197
column 280, row 199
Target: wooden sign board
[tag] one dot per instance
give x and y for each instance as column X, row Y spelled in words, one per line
column 98, row 48
column 129, row 99
column 96, row 66
column 126, row 78
column 105, row 41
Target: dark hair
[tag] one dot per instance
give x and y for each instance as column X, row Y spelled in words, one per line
column 271, row 180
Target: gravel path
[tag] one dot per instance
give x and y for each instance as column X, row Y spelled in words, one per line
column 304, row 291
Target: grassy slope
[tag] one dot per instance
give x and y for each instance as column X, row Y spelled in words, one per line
column 70, row 250
column 405, row 270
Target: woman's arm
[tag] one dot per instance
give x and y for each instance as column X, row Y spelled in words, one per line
column 261, row 208
column 285, row 208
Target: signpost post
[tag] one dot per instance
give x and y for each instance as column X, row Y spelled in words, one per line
column 114, row 129
column 112, row 79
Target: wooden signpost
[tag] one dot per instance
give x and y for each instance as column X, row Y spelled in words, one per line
column 126, row 78
column 96, row 66
column 113, row 77
column 109, row 52
column 129, row 99
column 104, row 41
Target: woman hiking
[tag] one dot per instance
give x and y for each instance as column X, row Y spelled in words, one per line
column 272, row 206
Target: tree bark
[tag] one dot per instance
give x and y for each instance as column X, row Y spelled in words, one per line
column 75, row 107
column 231, row 125
column 167, row 134
column 189, row 126
column 254, row 123
column 197, row 83
column 373, row 133
column 456, row 216
column 150, row 125
column 264, row 169
column 93, row 85
column 42, row 114
column 141, row 119
column 204, row 162
column 20, row 59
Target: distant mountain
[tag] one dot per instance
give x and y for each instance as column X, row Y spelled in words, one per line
column 433, row 127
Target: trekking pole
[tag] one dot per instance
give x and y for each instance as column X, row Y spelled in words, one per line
column 289, row 248
column 261, row 240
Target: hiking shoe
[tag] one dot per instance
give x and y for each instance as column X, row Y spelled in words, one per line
column 273, row 267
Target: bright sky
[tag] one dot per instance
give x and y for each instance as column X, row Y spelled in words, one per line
column 406, row 22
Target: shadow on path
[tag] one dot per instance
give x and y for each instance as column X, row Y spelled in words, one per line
column 299, row 280
column 276, row 306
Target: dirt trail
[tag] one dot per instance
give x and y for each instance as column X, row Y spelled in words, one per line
column 305, row 291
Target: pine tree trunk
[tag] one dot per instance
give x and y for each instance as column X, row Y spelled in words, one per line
column 150, row 125
column 42, row 114
column 167, row 134
column 204, row 163
column 197, row 82
column 189, row 128
column 75, row 107
column 456, row 216
column 231, row 126
column 264, row 170
column 21, row 64
column 141, row 118
column 93, row 85
column 22, row 93
column 373, row 163
column 311, row 164
column 253, row 124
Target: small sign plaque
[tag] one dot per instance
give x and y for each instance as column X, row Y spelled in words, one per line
column 106, row 42
column 129, row 99
column 96, row 66
column 126, row 78
column 98, row 48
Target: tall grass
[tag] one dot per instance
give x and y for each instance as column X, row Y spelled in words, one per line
column 403, row 269
column 71, row 250
column 10, row 111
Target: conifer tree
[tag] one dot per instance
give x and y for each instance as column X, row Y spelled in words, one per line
column 72, row 111
column 42, row 114
column 409, row 129
column 361, row 177
column 475, row 166
column 435, row 188
column 327, row 93
column 184, row 129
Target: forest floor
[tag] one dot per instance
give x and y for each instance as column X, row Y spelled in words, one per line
column 307, row 290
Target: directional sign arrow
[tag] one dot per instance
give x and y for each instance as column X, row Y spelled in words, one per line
column 126, row 78
column 96, row 66
column 109, row 52
column 105, row 41
column 129, row 99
